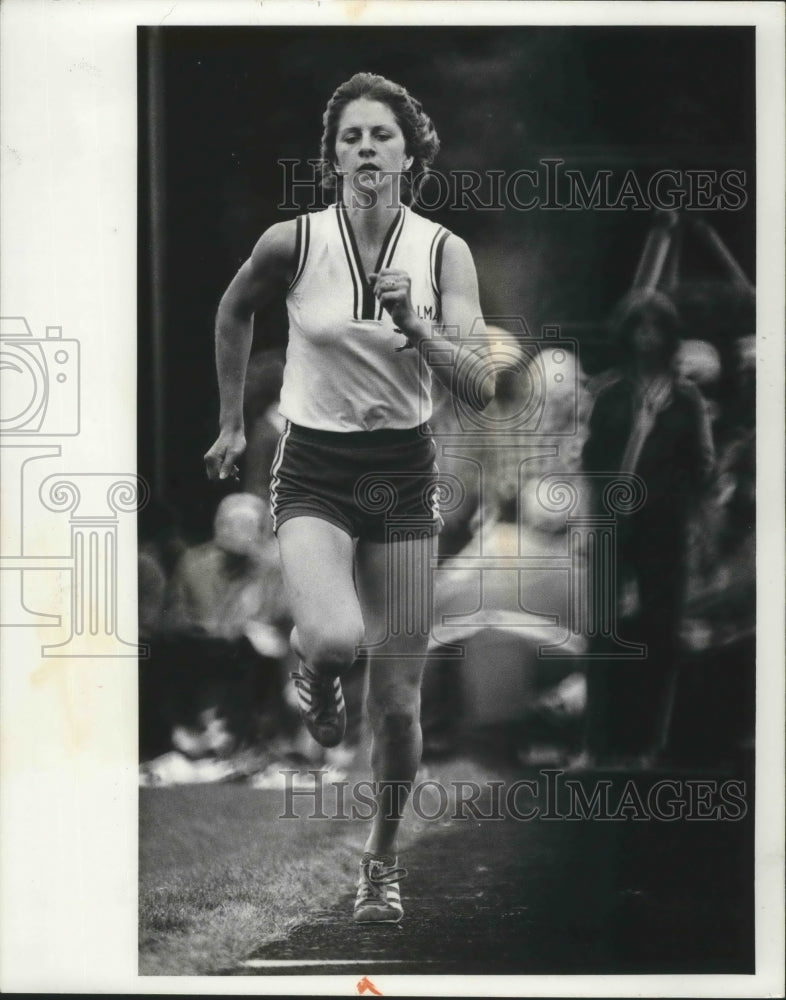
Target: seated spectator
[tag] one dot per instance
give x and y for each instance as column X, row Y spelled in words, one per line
column 219, row 665
column 231, row 586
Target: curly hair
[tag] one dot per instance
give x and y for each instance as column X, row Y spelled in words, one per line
column 420, row 136
column 634, row 306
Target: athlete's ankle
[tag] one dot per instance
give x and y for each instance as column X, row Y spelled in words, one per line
column 380, row 848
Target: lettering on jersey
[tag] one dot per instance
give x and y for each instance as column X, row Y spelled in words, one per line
column 424, row 312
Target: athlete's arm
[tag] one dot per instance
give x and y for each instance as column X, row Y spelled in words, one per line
column 452, row 362
column 265, row 274
column 461, row 313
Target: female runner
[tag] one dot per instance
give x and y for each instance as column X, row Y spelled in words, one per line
column 371, row 288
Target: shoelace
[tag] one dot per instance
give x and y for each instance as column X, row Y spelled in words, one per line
column 375, row 877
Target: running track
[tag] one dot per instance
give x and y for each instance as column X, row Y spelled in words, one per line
column 540, row 897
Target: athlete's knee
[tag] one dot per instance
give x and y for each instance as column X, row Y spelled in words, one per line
column 396, row 727
column 333, row 651
column 396, row 711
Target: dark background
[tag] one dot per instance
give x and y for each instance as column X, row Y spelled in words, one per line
column 218, row 107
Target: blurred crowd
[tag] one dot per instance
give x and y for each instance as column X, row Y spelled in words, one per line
column 214, row 692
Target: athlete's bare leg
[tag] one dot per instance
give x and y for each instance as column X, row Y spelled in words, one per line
column 317, row 564
column 395, row 596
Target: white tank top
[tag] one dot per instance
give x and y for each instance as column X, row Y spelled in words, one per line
column 345, row 367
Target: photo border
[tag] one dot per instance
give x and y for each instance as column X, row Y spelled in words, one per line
column 68, row 749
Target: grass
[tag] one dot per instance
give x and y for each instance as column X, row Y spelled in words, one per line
column 221, row 874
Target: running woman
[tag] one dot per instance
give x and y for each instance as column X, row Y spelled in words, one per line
column 371, row 289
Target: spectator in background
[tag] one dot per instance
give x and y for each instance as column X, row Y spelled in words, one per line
column 231, row 586
column 652, row 423
column 536, row 426
column 450, row 423
column 540, row 409
column 540, row 401
column 724, row 592
column 222, row 664
column 699, row 362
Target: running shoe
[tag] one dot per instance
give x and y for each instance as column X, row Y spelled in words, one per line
column 378, row 899
column 321, row 705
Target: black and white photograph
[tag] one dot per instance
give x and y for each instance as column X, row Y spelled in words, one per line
column 393, row 550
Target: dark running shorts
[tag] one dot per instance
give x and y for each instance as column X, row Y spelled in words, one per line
column 371, row 484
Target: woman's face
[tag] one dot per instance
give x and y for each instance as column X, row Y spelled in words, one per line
column 647, row 339
column 370, row 146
